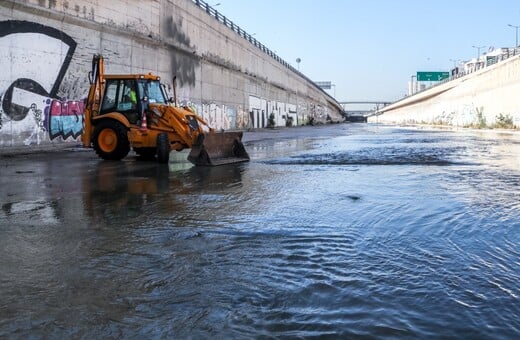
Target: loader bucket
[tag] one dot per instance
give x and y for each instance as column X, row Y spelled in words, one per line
column 217, row 148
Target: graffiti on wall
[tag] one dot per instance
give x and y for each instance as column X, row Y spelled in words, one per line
column 38, row 57
column 318, row 114
column 264, row 112
column 220, row 116
column 66, row 118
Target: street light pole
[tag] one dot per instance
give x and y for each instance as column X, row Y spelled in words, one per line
column 478, row 49
column 455, row 61
column 515, row 27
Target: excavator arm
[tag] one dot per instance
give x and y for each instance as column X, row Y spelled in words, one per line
column 96, row 79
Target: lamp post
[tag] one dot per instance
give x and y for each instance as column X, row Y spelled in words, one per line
column 298, row 60
column 478, row 50
column 516, row 28
column 455, row 61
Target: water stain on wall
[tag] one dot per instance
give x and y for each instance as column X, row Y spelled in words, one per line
column 174, row 31
column 183, row 65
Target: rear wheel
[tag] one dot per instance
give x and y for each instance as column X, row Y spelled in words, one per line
column 111, row 140
column 163, row 148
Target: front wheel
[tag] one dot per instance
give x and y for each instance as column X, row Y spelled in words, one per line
column 111, row 140
column 163, row 148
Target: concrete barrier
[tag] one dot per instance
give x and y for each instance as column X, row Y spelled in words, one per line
column 487, row 98
column 231, row 80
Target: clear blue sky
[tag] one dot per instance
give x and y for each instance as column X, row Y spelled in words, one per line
column 370, row 48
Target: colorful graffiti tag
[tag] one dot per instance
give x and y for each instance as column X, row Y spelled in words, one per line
column 66, row 118
column 39, row 57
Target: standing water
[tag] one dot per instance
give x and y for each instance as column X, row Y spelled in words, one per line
column 344, row 230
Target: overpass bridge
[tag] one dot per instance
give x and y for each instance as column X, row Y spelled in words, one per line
column 356, row 114
column 376, row 102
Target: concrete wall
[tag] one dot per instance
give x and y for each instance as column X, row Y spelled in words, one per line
column 46, row 48
column 486, row 98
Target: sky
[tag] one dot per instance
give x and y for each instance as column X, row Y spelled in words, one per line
column 369, row 49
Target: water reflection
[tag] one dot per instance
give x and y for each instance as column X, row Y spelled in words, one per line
column 42, row 211
column 120, row 191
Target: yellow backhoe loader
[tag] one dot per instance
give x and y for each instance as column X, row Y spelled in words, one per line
column 132, row 111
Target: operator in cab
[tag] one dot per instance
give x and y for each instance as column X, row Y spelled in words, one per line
column 130, row 95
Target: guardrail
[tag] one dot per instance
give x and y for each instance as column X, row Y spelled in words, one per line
column 511, row 52
column 231, row 25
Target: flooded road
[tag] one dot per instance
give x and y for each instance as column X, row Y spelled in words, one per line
column 345, row 230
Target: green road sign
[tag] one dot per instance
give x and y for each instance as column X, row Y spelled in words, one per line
column 432, row 76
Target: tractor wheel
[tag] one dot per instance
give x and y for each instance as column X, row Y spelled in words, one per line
column 111, row 140
column 163, row 148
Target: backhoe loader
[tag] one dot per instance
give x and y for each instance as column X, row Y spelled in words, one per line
column 131, row 111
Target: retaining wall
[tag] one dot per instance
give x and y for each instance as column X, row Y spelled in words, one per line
column 486, row 98
column 46, row 48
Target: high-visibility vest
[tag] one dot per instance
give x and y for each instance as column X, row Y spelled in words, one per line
column 133, row 96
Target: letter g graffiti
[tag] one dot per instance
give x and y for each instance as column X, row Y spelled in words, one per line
column 38, row 57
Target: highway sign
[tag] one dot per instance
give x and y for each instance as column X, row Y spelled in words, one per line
column 432, row 76
column 326, row 85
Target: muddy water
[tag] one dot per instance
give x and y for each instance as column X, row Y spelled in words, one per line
column 346, row 230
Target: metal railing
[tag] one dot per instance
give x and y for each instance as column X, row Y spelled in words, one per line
column 226, row 22
column 237, row 29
